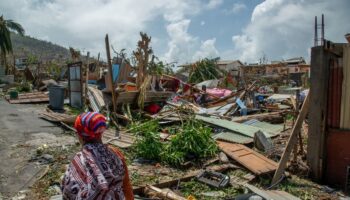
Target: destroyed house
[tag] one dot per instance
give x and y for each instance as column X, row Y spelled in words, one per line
column 232, row 66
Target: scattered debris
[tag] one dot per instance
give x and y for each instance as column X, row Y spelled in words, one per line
column 271, row 194
column 261, row 142
column 32, row 97
column 214, row 179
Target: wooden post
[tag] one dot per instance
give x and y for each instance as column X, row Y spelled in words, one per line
column 292, row 141
column 87, row 78
column 110, row 73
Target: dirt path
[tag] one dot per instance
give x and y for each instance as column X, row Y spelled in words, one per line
column 21, row 133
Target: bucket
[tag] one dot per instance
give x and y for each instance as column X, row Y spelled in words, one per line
column 13, row 94
column 56, row 97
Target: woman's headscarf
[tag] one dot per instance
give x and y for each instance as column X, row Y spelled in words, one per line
column 90, row 125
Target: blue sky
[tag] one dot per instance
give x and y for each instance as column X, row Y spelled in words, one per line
column 184, row 30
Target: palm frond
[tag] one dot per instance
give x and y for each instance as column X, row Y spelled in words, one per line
column 14, row 26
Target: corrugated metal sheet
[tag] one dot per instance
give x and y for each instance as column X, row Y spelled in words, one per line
column 271, row 194
column 255, row 162
column 242, row 129
column 334, row 94
column 274, row 129
column 233, row 137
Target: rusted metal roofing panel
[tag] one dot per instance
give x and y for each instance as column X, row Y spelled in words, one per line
column 250, row 159
column 271, row 194
column 334, row 93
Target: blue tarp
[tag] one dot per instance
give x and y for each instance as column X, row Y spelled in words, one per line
column 115, row 69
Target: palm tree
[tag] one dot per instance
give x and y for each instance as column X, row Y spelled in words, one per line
column 5, row 39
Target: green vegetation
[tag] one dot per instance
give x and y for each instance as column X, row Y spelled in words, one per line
column 24, row 87
column 192, row 142
column 203, row 70
column 148, row 146
column 7, row 25
column 38, row 50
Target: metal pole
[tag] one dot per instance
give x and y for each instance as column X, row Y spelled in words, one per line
column 315, row 36
column 322, row 30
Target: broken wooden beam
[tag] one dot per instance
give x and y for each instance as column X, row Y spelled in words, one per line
column 292, row 140
column 188, row 177
column 162, row 193
column 268, row 117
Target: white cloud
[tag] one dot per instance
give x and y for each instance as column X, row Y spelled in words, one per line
column 237, row 8
column 202, row 23
column 284, row 28
column 214, row 4
column 207, row 50
column 84, row 23
column 181, row 43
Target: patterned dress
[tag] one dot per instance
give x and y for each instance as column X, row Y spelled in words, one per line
column 97, row 172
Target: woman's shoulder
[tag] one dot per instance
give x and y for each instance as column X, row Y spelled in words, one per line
column 116, row 151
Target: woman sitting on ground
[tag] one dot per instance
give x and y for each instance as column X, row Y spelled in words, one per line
column 98, row 171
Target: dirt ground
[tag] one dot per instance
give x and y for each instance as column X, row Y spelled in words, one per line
column 22, row 134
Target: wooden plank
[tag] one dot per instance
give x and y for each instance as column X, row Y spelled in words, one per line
column 36, row 100
column 292, row 141
column 318, row 110
column 255, row 162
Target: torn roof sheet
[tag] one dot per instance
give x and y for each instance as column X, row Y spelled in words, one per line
column 244, row 129
column 233, row 137
column 275, row 129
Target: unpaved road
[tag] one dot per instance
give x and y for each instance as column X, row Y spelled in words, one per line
column 21, row 133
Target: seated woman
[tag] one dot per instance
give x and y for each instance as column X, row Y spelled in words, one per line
column 98, row 171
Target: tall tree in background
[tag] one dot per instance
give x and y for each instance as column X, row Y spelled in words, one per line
column 5, row 39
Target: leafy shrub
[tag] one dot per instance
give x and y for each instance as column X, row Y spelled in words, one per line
column 193, row 141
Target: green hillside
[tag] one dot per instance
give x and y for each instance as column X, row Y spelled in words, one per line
column 27, row 46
